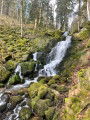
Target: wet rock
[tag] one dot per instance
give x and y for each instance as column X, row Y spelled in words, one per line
column 49, row 113
column 4, row 74
column 43, row 89
column 15, row 100
column 11, row 65
column 27, row 68
column 41, row 106
column 3, row 102
column 33, row 102
column 25, row 113
column 16, row 80
column 33, row 89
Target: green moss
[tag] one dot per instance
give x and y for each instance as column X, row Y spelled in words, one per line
column 52, row 81
column 33, row 101
column 11, row 65
column 1, row 85
column 33, row 89
column 25, row 113
column 49, row 113
column 16, row 80
column 41, row 106
column 4, row 74
column 57, row 115
column 62, row 89
column 43, row 89
column 83, row 35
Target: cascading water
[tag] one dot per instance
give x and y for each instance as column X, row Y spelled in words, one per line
column 55, row 57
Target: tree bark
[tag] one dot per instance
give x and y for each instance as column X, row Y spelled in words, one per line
column 21, row 18
column 40, row 13
column 2, row 8
column 79, row 15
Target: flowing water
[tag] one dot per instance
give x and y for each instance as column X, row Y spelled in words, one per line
column 55, row 57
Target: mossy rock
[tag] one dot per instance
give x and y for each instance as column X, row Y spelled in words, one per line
column 4, row 74
column 15, row 100
column 37, row 118
column 52, row 81
column 16, row 80
column 56, row 77
column 43, row 89
column 27, row 68
column 1, row 85
column 44, row 79
column 10, row 64
column 33, row 101
column 50, row 95
column 62, row 89
column 41, row 106
column 25, row 113
column 33, row 89
column 49, row 113
column 57, row 115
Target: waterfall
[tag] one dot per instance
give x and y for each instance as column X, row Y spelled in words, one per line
column 56, row 55
column 88, row 12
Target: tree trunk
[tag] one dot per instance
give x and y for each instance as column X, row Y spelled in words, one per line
column 35, row 25
column 40, row 13
column 21, row 18
column 79, row 16
column 2, row 8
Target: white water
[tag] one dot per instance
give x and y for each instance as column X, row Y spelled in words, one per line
column 56, row 56
column 88, row 13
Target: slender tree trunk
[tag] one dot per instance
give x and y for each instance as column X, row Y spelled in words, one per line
column 21, row 18
column 35, row 25
column 79, row 15
column 2, row 8
column 40, row 13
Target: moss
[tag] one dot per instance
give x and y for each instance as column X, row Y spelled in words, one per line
column 15, row 100
column 16, row 80
column 1, row 85
column 25, row 113
column 11, row 65
column 43, row 89
column 41, row 106
column 49, row 113
column 57, row 115
column 27, row 67
column 62, row 89
column 52, row 81
column 83, row 35
column 4, row 74
column 33, row 101
column 33, row 89
column 50, row 95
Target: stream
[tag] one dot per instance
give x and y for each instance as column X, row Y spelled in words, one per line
column 54, row 58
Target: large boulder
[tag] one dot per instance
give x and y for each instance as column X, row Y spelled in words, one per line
column 11, row 65
column 28, row 68
column 49, row 113
column 3, row 102
column 43, row 89
column 16, row 80
column 41, row 106
column 25, row 113
column 14, row 100
column 33, row 89
column 4, row 74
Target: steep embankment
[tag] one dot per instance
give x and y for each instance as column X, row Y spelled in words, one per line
column 77, row 66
